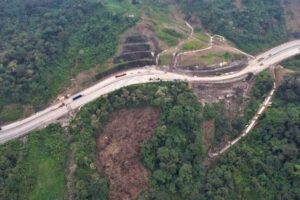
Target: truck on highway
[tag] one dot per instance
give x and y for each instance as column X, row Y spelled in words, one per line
column 120, row 75
column 77, row 97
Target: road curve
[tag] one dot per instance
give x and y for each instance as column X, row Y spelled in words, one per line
column 144, row 75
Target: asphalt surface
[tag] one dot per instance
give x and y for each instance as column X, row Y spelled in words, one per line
column 144, row 75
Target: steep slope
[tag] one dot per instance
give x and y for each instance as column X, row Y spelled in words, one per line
column 44, row 43
column 252, row 25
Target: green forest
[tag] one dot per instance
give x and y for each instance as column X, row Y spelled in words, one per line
column 34, row 167
column 174, row 155
column 256, row 25
column 44, row 43
column 293, row 63
column 265, row 165
column 231, row 126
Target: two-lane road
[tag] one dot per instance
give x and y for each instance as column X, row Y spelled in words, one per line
column 144, row 75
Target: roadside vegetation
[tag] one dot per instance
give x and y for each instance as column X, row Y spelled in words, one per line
column 166, row 58
column 293, row 63
column 45, row 43
column 33, row 168
column 10, row 113
column 265, row 165
column 212, row 58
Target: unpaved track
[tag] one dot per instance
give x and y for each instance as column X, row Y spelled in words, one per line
column 251, row 125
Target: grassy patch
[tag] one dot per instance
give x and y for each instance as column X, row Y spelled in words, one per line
column 193, row 44
column 169, row 29
column 201, row 36
column 10, row 113
column 293, row 63
column 125, row 7
column 165, row 59
column 34, row 169
column 169, row 36
column 213, row 58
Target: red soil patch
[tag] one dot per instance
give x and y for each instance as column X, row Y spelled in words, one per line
column 119, row 148
column 281, row 73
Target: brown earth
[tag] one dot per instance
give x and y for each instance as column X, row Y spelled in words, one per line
column 227, row 92
column 238, row 4
column 118, row 150
column 281, row 73
column 209, row 130
column 292, row 14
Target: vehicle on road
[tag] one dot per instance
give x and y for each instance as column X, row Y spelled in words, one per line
column 218, row 73
column 260, row 59
column 0, row 128
column 249, row 77
column 77, row 97
column 120, row 75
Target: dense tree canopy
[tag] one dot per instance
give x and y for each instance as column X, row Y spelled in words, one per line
column 266, row 164
column 33, row 168
column 254, row 25
column 43, row 42
column 174, row 155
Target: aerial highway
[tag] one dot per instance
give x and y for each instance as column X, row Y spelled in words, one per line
column 139, row 76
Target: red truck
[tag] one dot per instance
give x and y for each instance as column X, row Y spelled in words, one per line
column 120, row 75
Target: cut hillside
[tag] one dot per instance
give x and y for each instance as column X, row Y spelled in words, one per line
column 119, row 148
column 292, row 16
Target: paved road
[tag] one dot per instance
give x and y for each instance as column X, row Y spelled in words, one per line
column 145, row 75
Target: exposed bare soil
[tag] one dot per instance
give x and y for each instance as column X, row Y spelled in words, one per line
column 118, row 150
column 227, row 92
column 281, row 73
column 208, row 129
column 292, row 15
column 238, row 4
